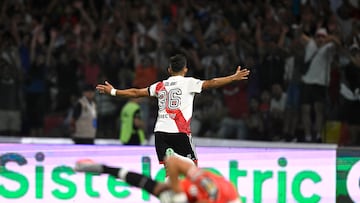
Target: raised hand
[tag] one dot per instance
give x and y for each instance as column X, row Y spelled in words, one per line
column 104, row 88
column 241, row 74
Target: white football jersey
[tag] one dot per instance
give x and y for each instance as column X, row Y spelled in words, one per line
column 175, row 101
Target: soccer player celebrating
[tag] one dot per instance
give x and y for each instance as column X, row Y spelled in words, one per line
column 175, row 104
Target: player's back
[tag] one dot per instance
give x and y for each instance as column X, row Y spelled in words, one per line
column 175, row 102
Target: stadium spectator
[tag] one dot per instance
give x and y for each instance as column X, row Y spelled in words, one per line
column 208, row 113
column 35, row 84
column 83, row 123
column 293, row 65
column 255, row 123
column 132, row 126
column 11, row 105
column 350, row 92
column 235, row 100
column 319, row 53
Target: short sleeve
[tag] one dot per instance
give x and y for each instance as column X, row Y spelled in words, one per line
column 194, row 85
column 152, row 89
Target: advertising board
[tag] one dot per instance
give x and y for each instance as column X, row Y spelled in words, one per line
column 43, row 173
column 348, row 175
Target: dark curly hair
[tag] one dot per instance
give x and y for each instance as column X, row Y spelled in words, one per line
column 177, row 62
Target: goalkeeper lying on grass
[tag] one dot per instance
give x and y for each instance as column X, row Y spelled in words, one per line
column 197, row 186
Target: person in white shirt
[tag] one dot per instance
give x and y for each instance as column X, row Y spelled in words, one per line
column 175, row 97
column 319, row 53
column 84, row 117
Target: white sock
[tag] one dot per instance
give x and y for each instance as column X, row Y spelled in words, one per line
column 122, row 174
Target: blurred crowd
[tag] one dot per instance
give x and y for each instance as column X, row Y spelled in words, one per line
column 51, row 50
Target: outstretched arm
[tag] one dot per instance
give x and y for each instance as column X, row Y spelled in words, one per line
column 107, row 88
column 240, row 74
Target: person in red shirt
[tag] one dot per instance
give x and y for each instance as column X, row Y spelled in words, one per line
column 235, row 98
column 145, row 73
column 197, row 185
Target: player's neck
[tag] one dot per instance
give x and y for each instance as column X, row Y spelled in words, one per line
column 178, row 74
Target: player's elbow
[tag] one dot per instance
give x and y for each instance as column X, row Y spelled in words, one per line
column 208, row 84
column 135, row 93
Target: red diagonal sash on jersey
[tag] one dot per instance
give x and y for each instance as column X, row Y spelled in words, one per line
column 181, row 123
